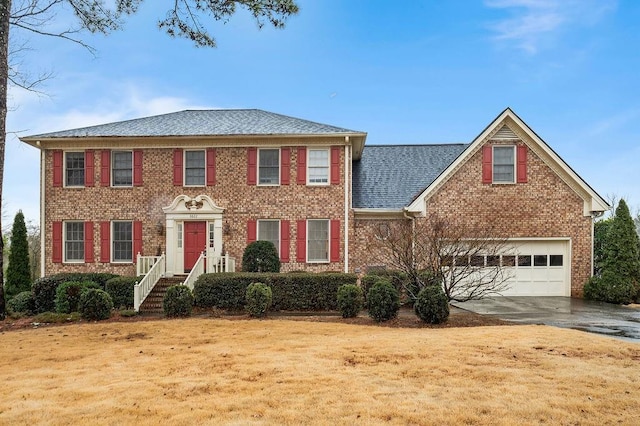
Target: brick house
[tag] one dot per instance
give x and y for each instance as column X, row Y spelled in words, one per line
column 208, row 182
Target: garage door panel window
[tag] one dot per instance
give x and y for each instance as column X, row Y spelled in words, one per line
column 540, row 260
column 556, row 260
column 508, row 261
column 524, row 260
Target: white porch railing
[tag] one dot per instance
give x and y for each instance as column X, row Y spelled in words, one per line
column 144, row 287
column 145, row 263
column 196, row 271
column 221, row 264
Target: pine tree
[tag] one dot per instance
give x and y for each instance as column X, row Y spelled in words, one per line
column 18, row 271
column 622, row 248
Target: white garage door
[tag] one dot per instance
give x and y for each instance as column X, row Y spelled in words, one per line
column 540, row 268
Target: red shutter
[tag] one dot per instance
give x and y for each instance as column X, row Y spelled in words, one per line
column 301, row 241
column 88, row 242
column 177, row 167
column 211, row 166
column 105, row 168
column 251, row 231
column 335, row 165
column 252, row 160
column 56, row 256
column 89, row 178
column 285, row 167
column 137, row 168
column 302, row 166
column 487, row 167
column 335, row 241
column 57, row 168
column 105, row 242
column 285, row 239
column 522, row 164
column 137, row 240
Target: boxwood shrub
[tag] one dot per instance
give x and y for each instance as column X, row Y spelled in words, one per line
column 432, row 305
column 68, row 295
column 291, row 291
column 121, row 291
column 384, row 301
column 44, row 289
column 258, row 298
column 350, row 300
column 21, row 303
column 95, row 304
column 178, row 301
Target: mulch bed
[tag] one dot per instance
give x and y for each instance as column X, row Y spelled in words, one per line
column 406, row 319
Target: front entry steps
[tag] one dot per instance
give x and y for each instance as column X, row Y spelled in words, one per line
column 153, row 303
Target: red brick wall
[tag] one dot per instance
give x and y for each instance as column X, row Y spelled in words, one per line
column 241, row 203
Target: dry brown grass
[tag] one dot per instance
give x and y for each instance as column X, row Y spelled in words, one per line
column 216, row 371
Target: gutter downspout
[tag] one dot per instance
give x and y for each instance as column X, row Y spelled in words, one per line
column 43, row 230
column 347, row 149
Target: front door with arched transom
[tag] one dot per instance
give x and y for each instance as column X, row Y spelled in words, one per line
column 195, row 242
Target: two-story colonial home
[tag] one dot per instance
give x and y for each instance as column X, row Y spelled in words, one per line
column 192, row 188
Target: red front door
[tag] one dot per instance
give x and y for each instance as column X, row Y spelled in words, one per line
column 195, row 242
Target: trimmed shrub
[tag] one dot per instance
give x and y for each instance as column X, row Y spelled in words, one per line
column 121, row 291
column 290, row 292
column 432, row 305
column 95, row 304
column 44, row 289
column 610, row 288
column 68, row 295
column 22, row 303
column 383, row 301
column 178, row 302
column 261, row 256
column 18, row 274
column 258, row 298
column 350, row 300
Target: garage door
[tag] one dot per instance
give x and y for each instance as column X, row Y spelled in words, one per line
column 539, row 268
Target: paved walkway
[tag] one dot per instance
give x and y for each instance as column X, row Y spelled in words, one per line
column 596, row 317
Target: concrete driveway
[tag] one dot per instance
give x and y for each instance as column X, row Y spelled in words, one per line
column 596, row 317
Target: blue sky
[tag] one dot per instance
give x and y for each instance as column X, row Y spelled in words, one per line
column 405, row 72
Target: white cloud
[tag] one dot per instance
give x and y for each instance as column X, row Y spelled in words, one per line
column 533, row 22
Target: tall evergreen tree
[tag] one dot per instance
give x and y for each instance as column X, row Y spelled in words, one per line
column 622, row 248
column 18, row 271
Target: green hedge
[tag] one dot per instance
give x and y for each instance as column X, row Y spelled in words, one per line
column 44, row 289
column 121, row 291
column 291, row 291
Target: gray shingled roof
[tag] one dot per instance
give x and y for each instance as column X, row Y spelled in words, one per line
column 227, row 122
column 391, row 176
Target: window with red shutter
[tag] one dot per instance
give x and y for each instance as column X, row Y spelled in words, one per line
column 211, row 166
column 335, row 165
column 177, row 167
column 105, row 168
column 57, row 168
column 88, row 242
column 302, row 166
column 285, row 239
column 252, row 170
column 137, row 168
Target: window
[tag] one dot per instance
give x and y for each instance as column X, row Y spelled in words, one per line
column 122, row 168
column 74, row 241
column 504, row 164
column 269, row 166
column 540, row 260
column 318, row 240
column 179, row 235
column 318, row 166
column 269, row 230
column 555, row 260
column 74, row 168
column 212, row 235
column 508, row 260
column 194, row 168
column 122, row 241
column 524, row 260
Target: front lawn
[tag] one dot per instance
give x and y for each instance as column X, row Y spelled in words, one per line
column 218, row 371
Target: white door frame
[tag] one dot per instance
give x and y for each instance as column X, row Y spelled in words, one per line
column 185, row 209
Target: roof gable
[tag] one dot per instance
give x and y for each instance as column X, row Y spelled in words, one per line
column 509, row 126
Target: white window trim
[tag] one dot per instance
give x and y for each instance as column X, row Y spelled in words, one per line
column 515, row 164
column 328, row 182
column 64, row 170
column 258, row 166
column 184, row 168
column 211, row 235
column 111, row 241
column 113, row 152
column 328, row 221
column 279, row 229
column 64, row 242
column 179, row 236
